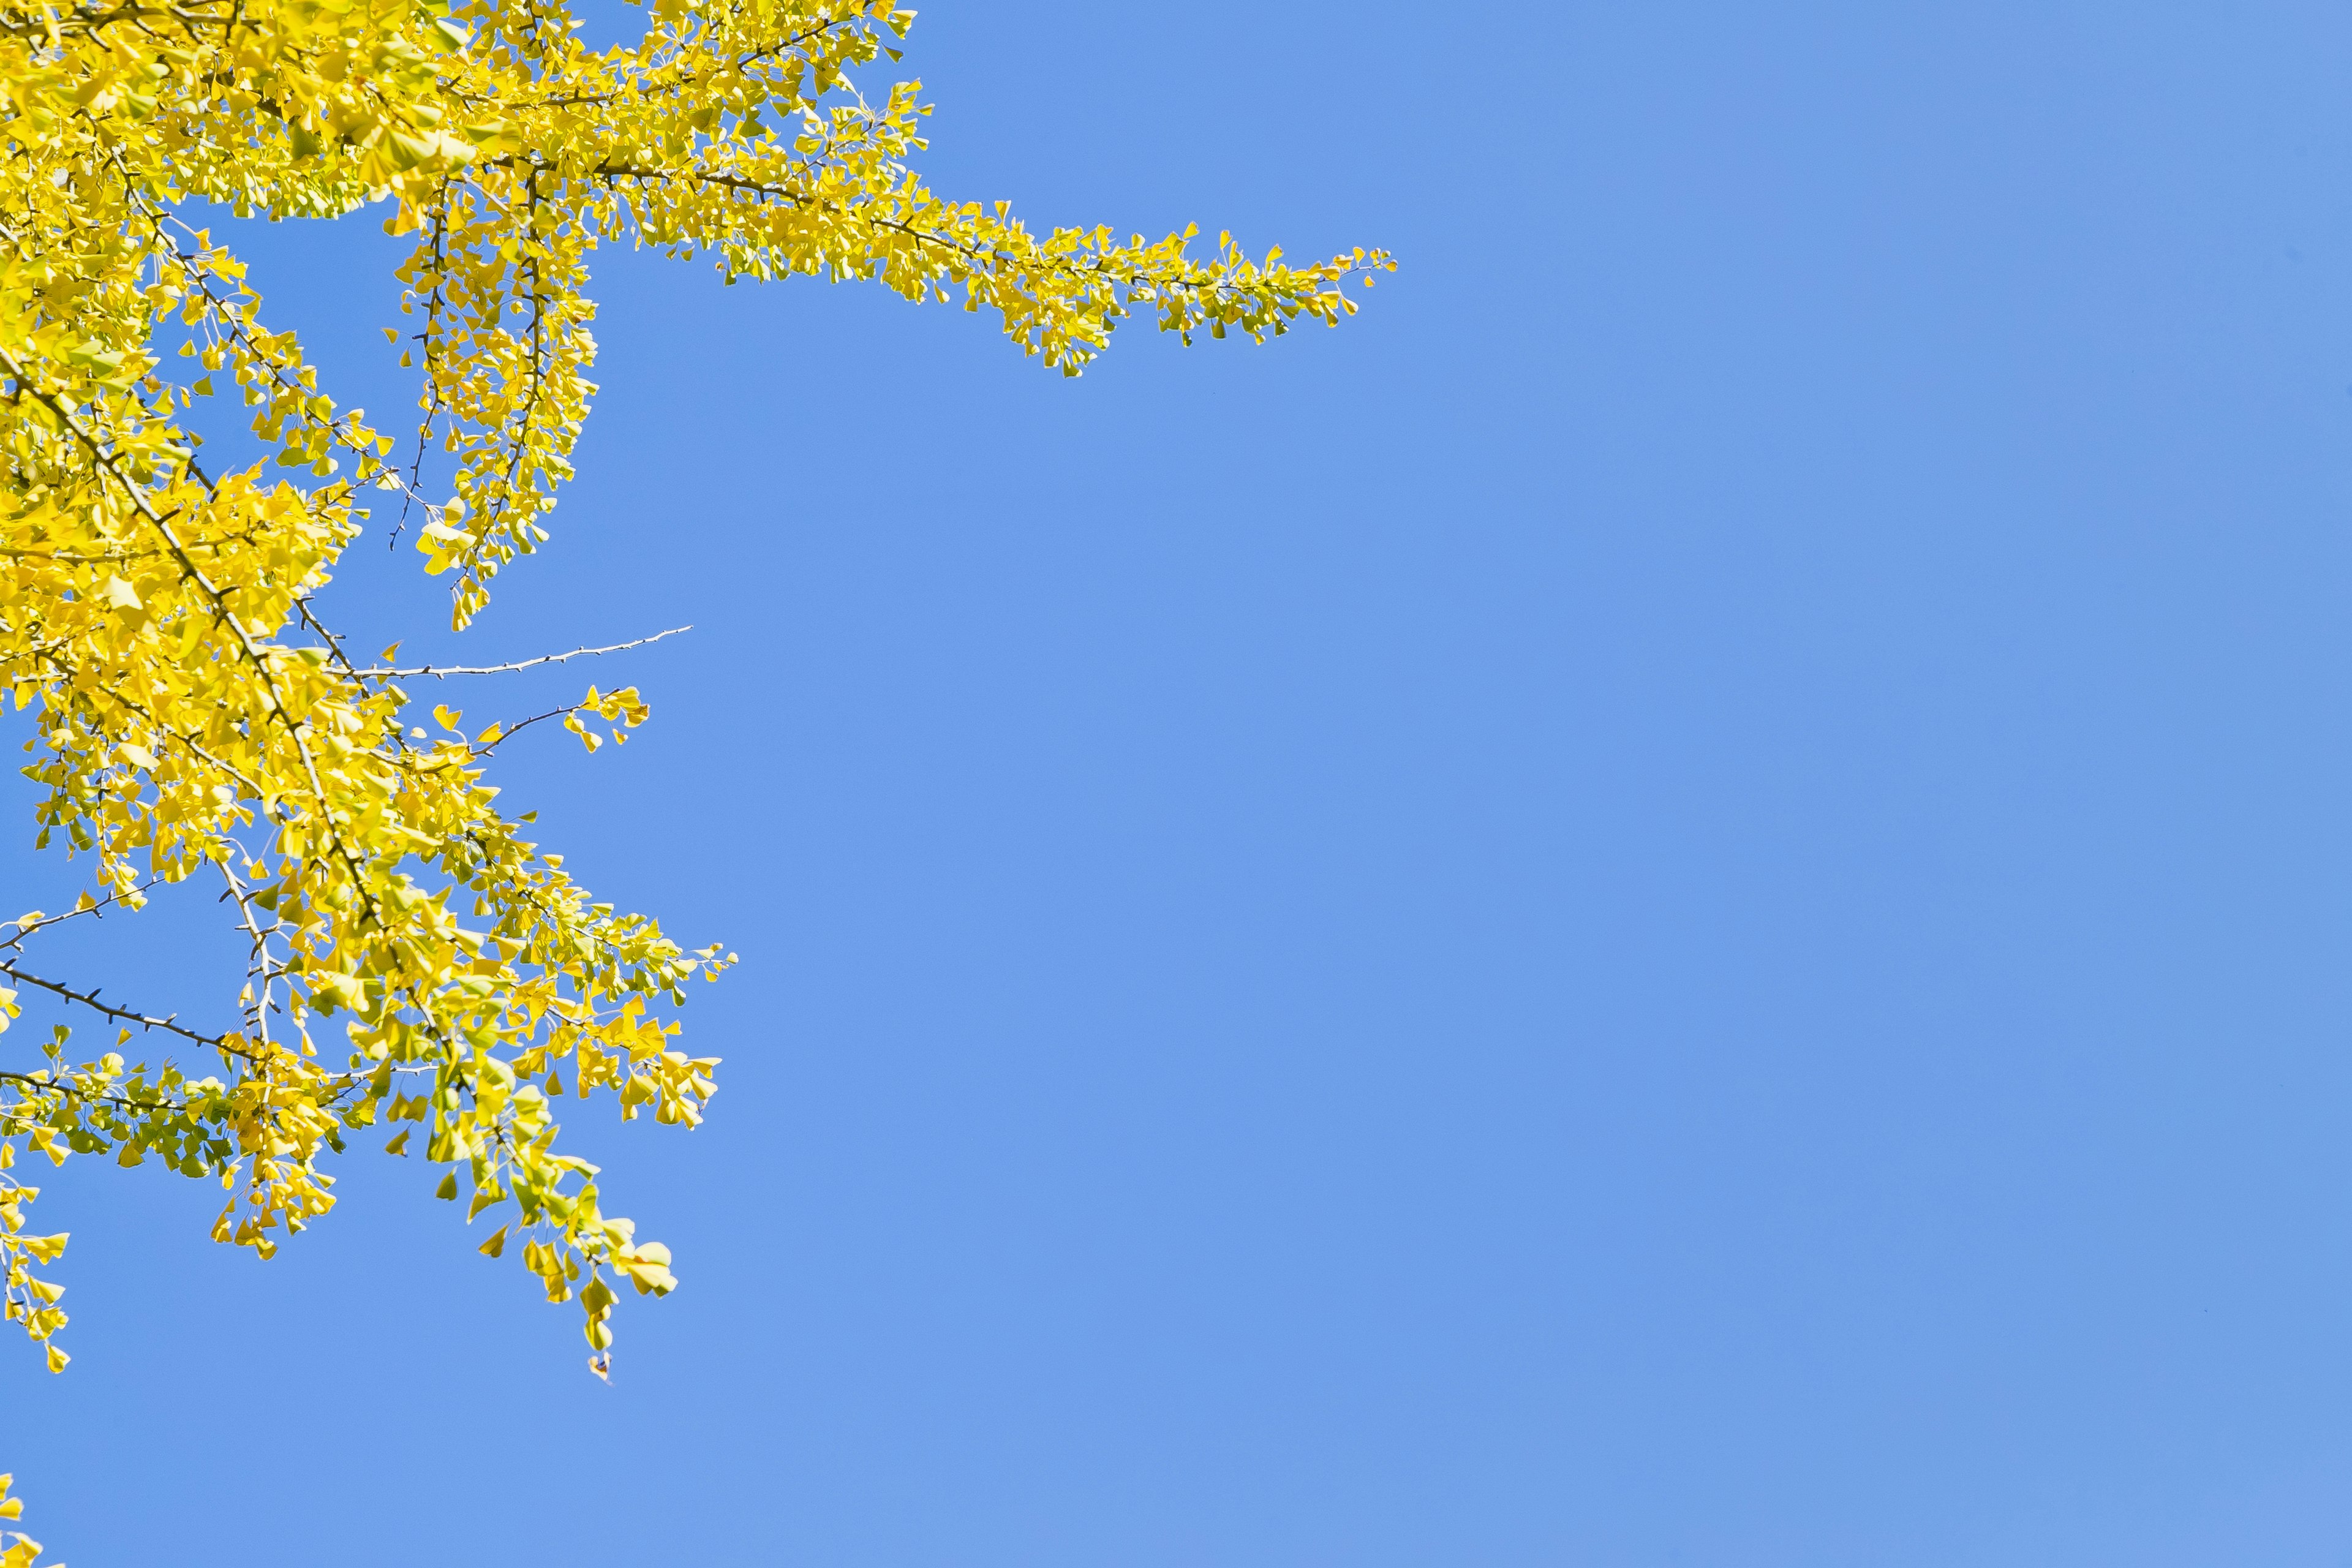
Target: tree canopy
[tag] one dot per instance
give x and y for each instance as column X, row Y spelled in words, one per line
column 416, row 963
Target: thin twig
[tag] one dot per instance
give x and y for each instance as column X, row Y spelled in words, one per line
column 439, row 671
column 26, row 928
column 120, row 1014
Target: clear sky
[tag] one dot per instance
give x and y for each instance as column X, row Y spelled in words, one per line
column 1684, row 899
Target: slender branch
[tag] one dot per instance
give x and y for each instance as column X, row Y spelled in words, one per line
column 509, row 732
column 439, row 671
column 120, row 1014
column 65, row 1089
column 46, row 921
column 260, row 969
column 1082, row 266
column 429, row 336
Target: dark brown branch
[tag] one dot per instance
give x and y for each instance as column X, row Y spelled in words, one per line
column 120, row 1014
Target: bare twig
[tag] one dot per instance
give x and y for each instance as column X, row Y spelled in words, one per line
column 439, row 671
column 120, row 1014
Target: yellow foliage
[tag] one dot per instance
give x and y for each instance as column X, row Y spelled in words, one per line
column 413, row 956
column 15, row 1550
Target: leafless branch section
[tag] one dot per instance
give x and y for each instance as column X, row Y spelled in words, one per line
column 442, row 672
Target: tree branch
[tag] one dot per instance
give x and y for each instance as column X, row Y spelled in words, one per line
column 439, row 671
column 120, row 1014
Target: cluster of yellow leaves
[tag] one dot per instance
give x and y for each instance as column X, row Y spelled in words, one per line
column 413, row 958
column 15, row 1550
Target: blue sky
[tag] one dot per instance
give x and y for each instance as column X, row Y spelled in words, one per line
column 1683, row 899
